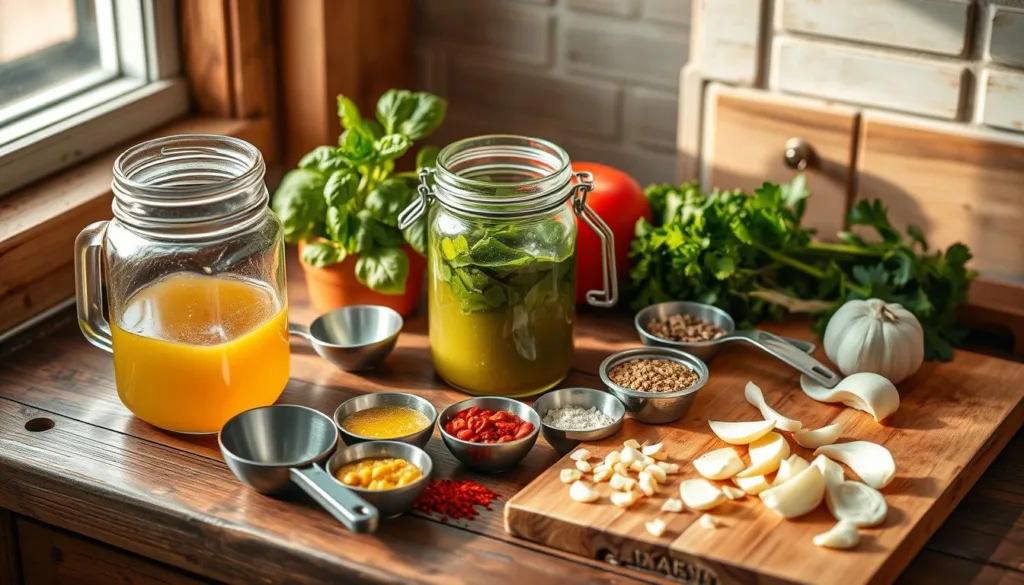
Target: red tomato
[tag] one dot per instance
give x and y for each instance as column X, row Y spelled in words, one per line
column 618, row 199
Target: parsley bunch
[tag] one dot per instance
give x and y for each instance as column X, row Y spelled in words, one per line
column 750, row 256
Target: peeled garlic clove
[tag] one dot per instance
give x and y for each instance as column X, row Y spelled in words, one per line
column 865, row 391
column 719, row 464
column 656, row 527
column 843, row 535
column 741, row 433
column 602, row 473
column 873, row 463
column 669, row 468
column 647, row 484
column 630, row 454
column 622, row 482
column 797, row 496
column 657, row 473
column 789, row 468
column 581, row 491
column 732, row 493
column 710, row 522
column 612, row 458
column 622, row 468
column 819, row 437
column 624, row 499
column 856, row 503
column 569, row 475
column 648, row 461
column 650, row 450
column 752, row 485
column 755, row 397
column 637, row 466
column 766, row 454
column 583, row 466
column 580, row 455
column 672, row 505
column 631, row 443
column 700, row 494
column 830, row 470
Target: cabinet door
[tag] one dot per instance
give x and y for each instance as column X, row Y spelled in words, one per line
column 745, row 137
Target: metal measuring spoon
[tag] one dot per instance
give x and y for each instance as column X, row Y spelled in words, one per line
column 273, row 449
column 793, row 352
column 356, row 337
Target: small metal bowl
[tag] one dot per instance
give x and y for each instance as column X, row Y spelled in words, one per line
column 490, row 457
column 655, row 407
column 393, row 502
column 564, row 440
column 354, row 338
column 353, row 405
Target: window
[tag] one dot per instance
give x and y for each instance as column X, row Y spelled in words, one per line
column 79, row 76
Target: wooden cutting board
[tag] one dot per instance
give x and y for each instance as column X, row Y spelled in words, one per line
column 953, row 419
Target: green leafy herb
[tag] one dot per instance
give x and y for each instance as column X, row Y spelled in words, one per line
column 346, row 199
column 751, row 256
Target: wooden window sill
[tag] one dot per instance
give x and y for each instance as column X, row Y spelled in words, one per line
column 38, row 224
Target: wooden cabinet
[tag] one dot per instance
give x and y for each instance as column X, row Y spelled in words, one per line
column 35, row 554
column 745, row 139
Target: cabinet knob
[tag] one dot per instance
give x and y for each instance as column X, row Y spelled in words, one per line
column 799, row 154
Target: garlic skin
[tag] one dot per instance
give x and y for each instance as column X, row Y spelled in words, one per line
column 868, row 392
column 818, row 437
column 830, row 470
column 842, row 536
column 856, row 503
column 873, row 336
column 873, row 463
column 797, row 496
column 755, row 397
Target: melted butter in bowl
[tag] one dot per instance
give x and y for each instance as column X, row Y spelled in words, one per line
column 385, row 422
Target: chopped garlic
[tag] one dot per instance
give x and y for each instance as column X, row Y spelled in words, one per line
column 647, row 484
column 581, row 491
column 637, row 466
column 672, row 505
column 612, row 458
column 602, row 473
column 622, row 468
column 650, row 450
column 583, row 466
column 733, row 493
column 669, row 468
column 569, row 475
column 622, row 482
column 656, row 527
column 657, row 473
column 631, row 443
column 580, row 455
column 710, row 522
column 629, row 455
column 648, row 460
column 624, row 499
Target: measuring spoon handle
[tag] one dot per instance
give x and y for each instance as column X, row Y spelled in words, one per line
column 354, row 512
column 783, row 350
column 299, row 331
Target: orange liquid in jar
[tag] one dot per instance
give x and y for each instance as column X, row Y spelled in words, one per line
column 191, row 351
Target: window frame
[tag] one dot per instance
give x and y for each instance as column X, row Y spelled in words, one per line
column 138, row 87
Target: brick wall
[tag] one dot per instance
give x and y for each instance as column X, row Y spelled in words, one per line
column 598, row 77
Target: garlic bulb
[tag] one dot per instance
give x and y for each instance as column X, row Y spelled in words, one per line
column 873, row 336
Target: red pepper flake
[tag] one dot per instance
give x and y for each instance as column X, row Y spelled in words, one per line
column 455, row 498
column 487, row 426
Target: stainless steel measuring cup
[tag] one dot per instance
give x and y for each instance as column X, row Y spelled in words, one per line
column 793, row 352
column 273, row 449
column 353, row 338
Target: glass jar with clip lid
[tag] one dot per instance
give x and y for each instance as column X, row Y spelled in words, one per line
column 502, row 246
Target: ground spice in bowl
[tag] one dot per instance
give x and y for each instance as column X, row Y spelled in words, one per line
column 684, row 328
column 653, row 375
column 577, row 418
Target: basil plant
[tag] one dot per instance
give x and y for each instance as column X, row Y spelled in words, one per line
column 346, row 199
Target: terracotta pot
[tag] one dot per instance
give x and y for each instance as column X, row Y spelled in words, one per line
column 337, row 286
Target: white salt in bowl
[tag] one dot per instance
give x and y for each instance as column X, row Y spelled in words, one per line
column 564, row 440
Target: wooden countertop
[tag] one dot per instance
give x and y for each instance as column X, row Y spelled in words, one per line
column 101, row 473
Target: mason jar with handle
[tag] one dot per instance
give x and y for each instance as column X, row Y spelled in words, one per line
column 186, row 284
column 501, row 255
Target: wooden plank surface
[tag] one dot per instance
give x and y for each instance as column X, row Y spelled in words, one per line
column 953, row 419
column 10, row 565
column 101, row 473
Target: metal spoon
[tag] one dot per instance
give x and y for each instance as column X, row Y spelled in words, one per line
column 353, row 338
column 273, row 449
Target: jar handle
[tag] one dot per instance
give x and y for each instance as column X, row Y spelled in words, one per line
column 609, row 294
column 419, row 205
column 89, row 285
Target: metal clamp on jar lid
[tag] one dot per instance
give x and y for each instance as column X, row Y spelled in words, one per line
column 507, row 177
